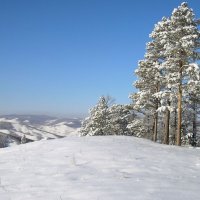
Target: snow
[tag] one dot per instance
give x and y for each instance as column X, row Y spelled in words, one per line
column 48, row 129
column 99, row 168
column 5, row 131
column 60, row 128
column 7, row 120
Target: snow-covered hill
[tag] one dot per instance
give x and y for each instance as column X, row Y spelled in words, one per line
column 99, row 168
column 34, row 127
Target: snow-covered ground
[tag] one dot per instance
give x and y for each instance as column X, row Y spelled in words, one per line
column 99, row 168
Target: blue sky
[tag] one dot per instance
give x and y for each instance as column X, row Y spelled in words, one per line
column 57, row 57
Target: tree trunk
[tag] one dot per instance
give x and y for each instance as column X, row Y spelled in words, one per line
column 179, row 106
column 155, row 130
column 167, row 118
column 194, row 123
column 148, row 124
column 175, row 118
column 155, row 134
column 173, row 139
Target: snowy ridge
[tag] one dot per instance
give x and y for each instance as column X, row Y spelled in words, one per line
column 101, row 167
column 35, row 128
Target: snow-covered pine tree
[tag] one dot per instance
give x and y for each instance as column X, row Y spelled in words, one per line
column 136, row 126
column 181, row 43
column 108, row 119
column 119, row 118
column 150, row 80
column 192, row 103
column 97, row 122
column 143, row 101
column 164, row 95
column 160, row 29
column 176, row 43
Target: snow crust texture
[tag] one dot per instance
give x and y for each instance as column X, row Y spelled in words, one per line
column 99, row 168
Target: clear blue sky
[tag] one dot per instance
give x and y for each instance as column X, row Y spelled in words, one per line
column 57, row 57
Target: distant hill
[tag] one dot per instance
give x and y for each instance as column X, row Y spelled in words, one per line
column 35, row 127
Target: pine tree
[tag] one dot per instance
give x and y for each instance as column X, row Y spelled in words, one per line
column 107, row 119
column 180, row 48
column 97, row 122
column 147, row 84
column 150, row 78
column 168, row 76
column 192, row 102
column 119, row 118
column 180, row 41
column 160, row 29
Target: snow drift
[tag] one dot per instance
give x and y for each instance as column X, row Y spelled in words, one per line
column 99, row 168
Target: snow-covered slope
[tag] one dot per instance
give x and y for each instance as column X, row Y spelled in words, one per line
column 36, row 127
column 99, row 168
